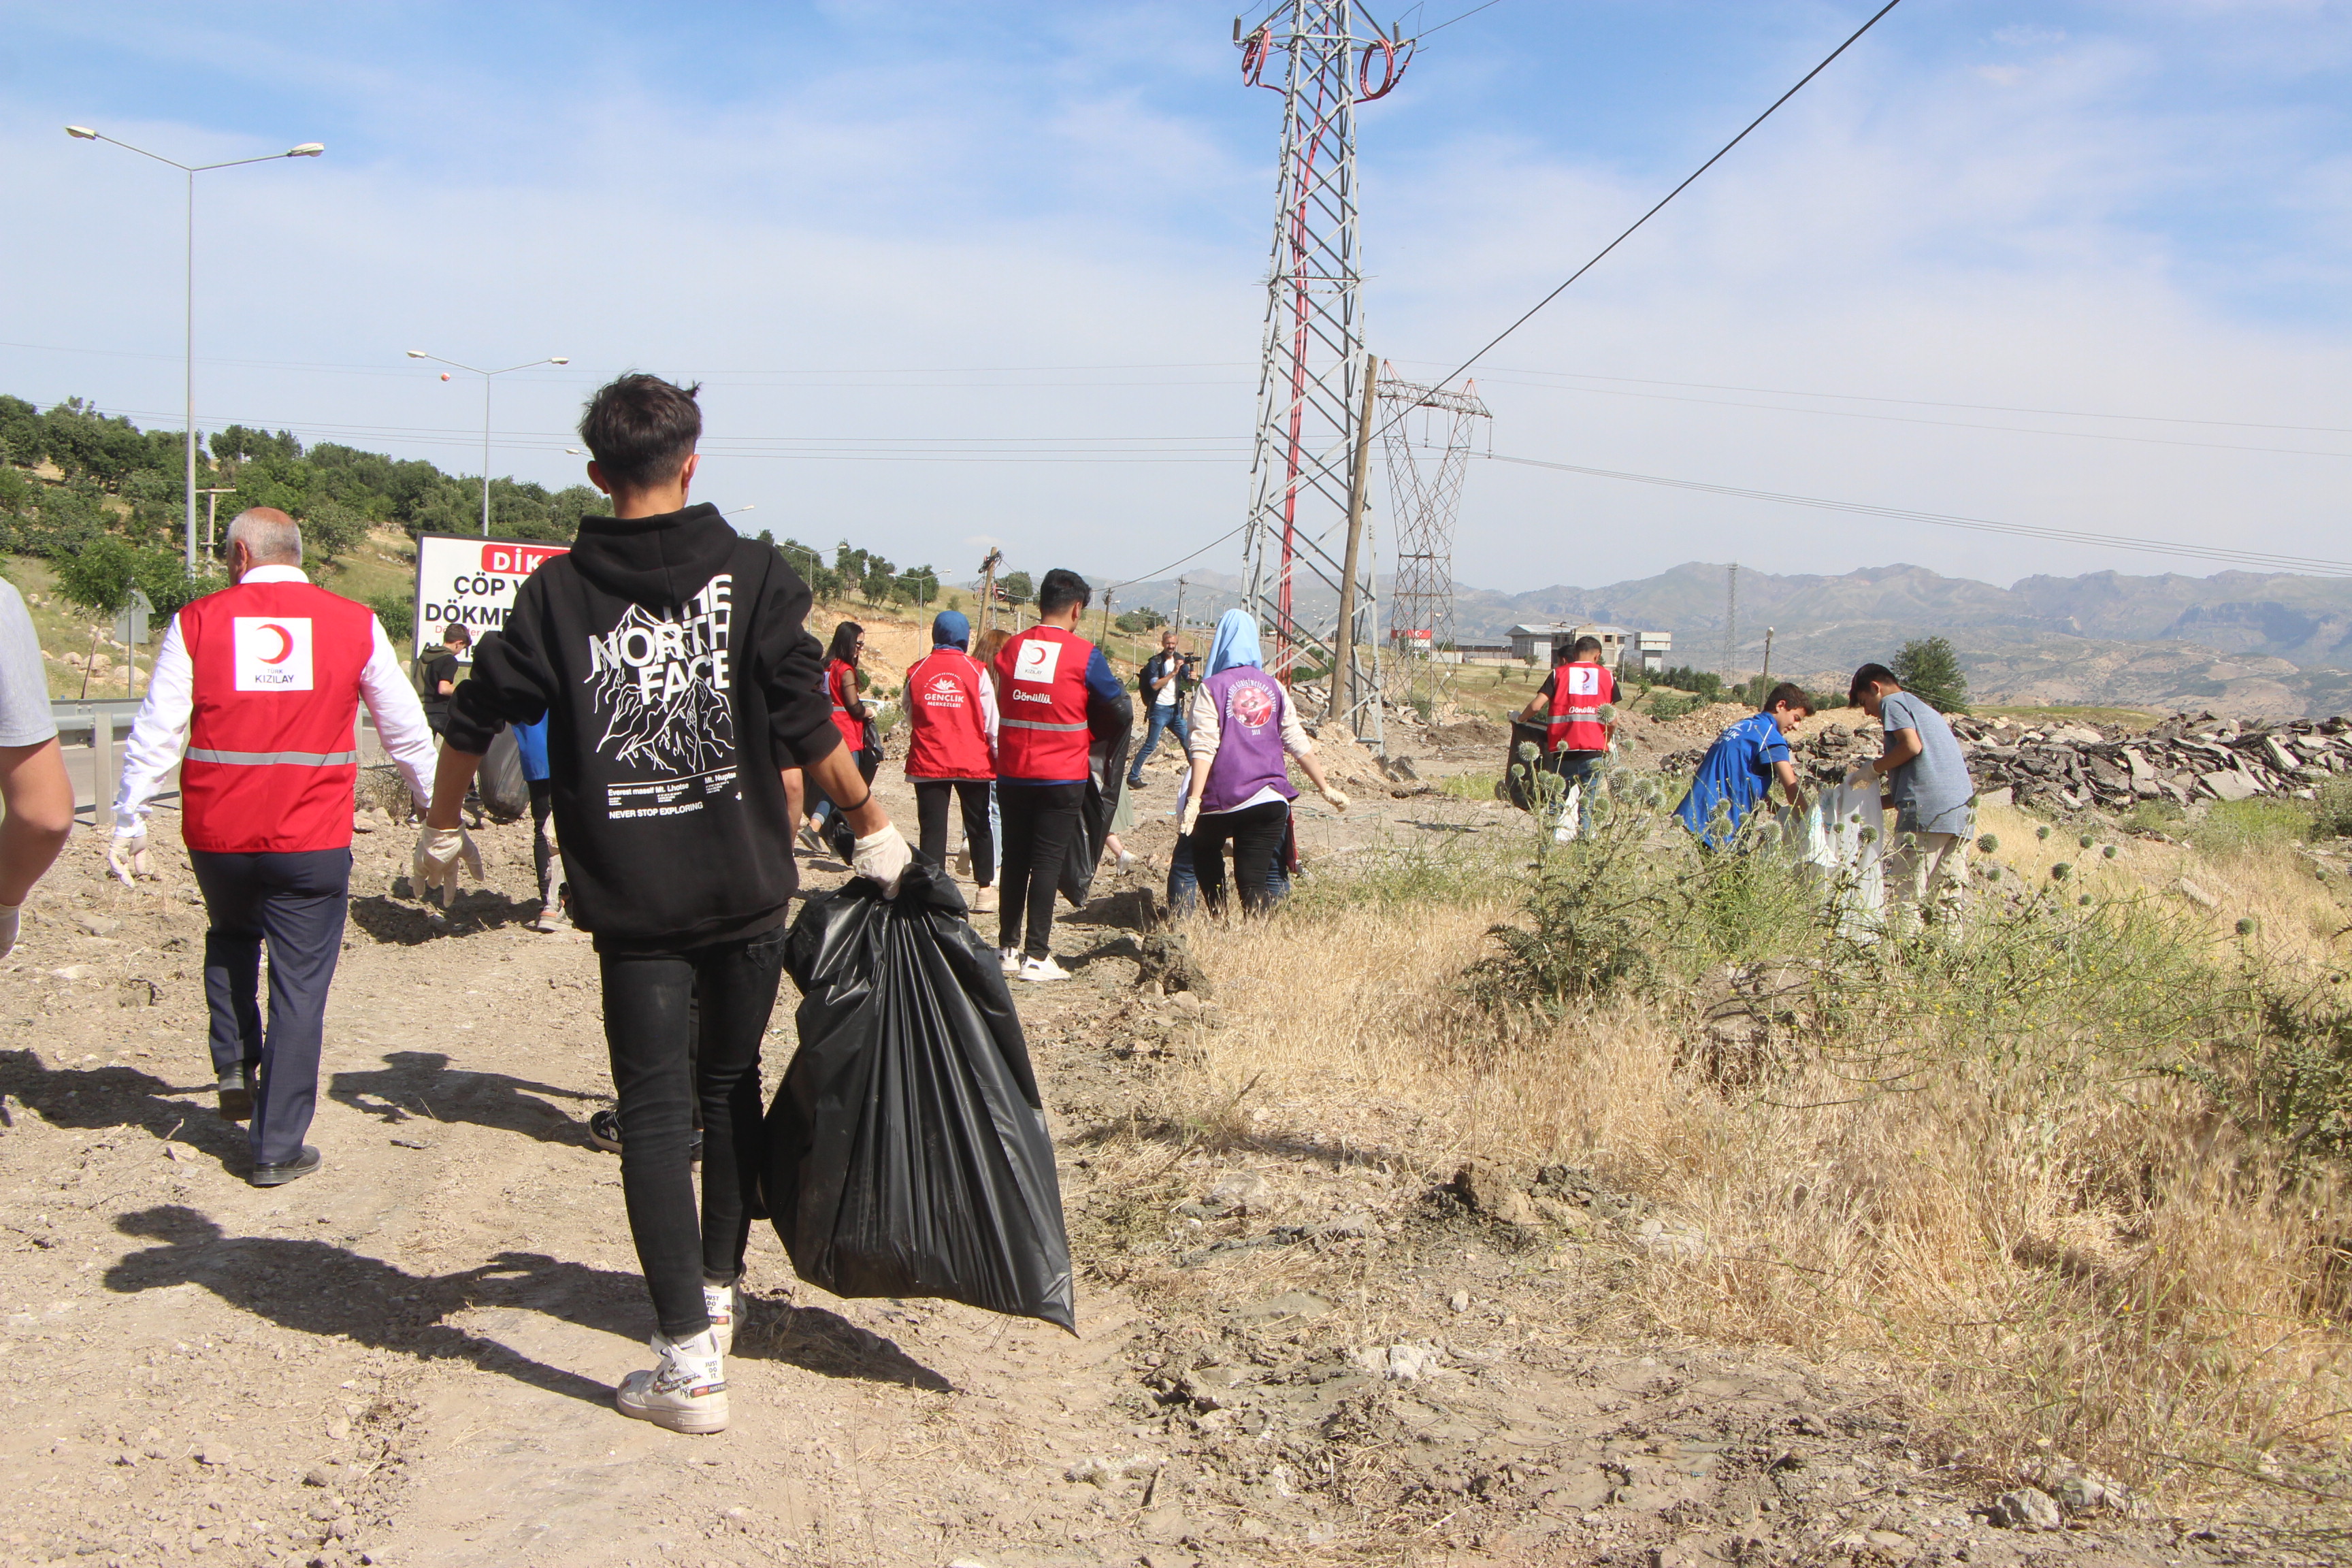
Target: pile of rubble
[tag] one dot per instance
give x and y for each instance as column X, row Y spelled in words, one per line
column 2074, row 766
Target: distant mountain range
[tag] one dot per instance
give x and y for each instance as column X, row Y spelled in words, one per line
column 2274, row 644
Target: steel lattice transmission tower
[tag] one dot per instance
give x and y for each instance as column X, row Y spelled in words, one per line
column 1427, row 434
column 1324, row 57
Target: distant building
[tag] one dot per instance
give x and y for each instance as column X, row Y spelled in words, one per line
column 1620, row 646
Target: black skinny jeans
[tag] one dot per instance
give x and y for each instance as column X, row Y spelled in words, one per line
column 1039, row 822
column 932, row 798
column 1256, row 835
column 542, row 848
column 645, row 1028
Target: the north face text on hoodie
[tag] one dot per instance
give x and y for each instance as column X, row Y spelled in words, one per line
column 661, row 686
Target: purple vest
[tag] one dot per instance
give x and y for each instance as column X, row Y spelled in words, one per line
column 1250, row 706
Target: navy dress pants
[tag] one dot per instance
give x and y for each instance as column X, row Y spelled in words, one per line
column 295, row 901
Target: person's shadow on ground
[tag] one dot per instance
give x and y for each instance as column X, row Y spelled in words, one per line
column 392, row 919
column 422, row 1086
column 317, row 1288
column 90, row 1099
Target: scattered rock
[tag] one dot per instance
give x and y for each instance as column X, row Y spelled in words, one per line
column 1486, row 1188
column 1238, row 1191
column 1459, row 1301
column 2027, row 1508
column 2198, row 896
column 1300, row 1304
column 97, row 925
column 1167, row 963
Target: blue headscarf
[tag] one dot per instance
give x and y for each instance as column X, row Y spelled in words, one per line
column 1237, row 642
column 949, row 629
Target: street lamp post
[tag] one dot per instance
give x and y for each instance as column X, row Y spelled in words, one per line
column 485, row 375
column 307, row 150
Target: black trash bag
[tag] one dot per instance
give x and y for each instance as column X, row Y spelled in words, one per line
column 1113, row 726
column 504, row 791
column 1518, row 787
column 905, row 1153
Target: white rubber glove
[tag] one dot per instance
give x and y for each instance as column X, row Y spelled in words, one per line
column 127, row 855
column 1191, row 818
column 8, row 928
column 438, row 851
column 1337, row 796
column 882, row 859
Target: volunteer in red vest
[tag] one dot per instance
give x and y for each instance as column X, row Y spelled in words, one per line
column 952, row 712
column 1044, row 678
column 849, row 716
column 260, row 684
column 1569, row 704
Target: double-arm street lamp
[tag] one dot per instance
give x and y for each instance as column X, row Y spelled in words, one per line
column 307, row 150
column 485, row 375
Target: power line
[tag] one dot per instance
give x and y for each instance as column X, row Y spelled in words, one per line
column 1922, row 402
column 1669, row 196
column 1451, row 20
column 1943, row 424
column 2306, row 564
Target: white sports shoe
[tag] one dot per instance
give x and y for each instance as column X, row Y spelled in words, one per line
column 1043, row 969
column 1009, row 959
column 724, row 1303
column 687, row 1393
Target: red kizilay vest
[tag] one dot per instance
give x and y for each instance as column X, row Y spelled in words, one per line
column 271, row 754
column 950, row 733
column 1041, row 715
column 841, row 685
column 1577, row 694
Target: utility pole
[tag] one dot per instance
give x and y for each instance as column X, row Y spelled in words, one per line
column 1103, row 639
column 1179, row 609
column 1343, row 662
column 988, row 589
column 212, row 508
column 1765, row 680
column 1730, row 620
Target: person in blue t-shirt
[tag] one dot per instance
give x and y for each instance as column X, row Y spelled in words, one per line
column 1738, row 770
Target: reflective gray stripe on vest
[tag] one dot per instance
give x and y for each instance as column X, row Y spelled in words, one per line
column 1036, row 724
column 273, row 759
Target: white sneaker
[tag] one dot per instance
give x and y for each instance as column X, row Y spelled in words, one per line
column 1043, row 969
column 724, row 1303
column 983, row 901
column 687, row 1393
column 1009, row 959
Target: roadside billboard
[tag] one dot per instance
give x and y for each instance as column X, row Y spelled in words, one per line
column 467, row 579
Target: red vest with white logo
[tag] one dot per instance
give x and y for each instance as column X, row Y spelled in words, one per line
column 841, row 685
column 271, row 754
column 1578, row 693
column 1041, row 713
column 950, row 733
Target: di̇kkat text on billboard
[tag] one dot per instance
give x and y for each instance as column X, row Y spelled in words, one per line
column 467, row 579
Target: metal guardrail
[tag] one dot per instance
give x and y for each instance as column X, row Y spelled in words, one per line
column 95, row 722
column 81, row 714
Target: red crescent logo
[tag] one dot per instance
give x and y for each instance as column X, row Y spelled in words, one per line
column 285, row 644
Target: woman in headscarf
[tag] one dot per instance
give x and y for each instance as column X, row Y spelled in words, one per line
column 849, row 716
column 1243, row 725
column 951, row 751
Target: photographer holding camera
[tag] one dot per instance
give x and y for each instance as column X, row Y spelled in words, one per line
column 1167, row 681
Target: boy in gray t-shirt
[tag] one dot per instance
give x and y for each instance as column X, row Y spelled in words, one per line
column 1927, row 781
column 33, row 782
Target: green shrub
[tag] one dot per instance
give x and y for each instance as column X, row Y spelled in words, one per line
column 2242, row 827
column 2331, row 817
column 398, row 614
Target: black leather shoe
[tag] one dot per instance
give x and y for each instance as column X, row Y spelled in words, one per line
column 236, row 1097
column 293, row 1170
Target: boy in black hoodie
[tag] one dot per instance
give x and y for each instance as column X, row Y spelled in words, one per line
column 669, row 657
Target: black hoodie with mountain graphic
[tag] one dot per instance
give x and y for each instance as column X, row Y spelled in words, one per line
column 672, row 661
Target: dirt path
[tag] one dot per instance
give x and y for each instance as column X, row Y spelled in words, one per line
column 1297, row 1355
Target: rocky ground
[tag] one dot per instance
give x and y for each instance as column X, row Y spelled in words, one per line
column 1300, row 1349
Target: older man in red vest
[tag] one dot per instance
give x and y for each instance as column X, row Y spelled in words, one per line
column 260, row 685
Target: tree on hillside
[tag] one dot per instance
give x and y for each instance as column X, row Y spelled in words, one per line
column 1929, row 668
column 1016, row 587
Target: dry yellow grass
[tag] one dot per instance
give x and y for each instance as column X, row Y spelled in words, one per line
column 2067, row 1255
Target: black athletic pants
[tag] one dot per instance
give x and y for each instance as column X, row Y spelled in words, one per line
column 295, row 901
column 931, row 816
column 660, row 1080
column 1039, row 822
column 542, row 852
column 1256, row 835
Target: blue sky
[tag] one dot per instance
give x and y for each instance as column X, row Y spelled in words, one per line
column 893, row 229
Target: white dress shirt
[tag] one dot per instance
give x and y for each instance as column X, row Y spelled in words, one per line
column 159, row 734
